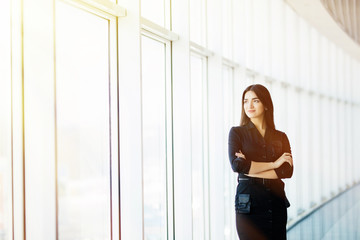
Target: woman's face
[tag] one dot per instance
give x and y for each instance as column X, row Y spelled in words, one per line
column 252, row 105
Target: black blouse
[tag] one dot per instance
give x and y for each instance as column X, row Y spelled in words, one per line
column 258, row 149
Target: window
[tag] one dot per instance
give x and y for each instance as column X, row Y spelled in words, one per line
column 157, row 11
column 85, row 138
column 5, row 125
column 291, row 44
column 198, row 22
column 289, row 110
column 227, row 29
column 277, row 39
column 156, row 138
column 230, row 178
column 199, row 145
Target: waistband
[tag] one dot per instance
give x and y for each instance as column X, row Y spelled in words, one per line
column 263, row 181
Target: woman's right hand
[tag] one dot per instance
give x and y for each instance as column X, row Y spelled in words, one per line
column 240, row 155
column 286, row 157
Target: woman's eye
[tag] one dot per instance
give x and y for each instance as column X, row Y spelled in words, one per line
column 257, row 101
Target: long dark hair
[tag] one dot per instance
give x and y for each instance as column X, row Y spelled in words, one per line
column 264, row 95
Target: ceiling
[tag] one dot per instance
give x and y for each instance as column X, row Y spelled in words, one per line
column 338, row 20
column 347, row 14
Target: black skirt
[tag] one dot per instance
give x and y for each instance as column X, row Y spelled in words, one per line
column 261, row 209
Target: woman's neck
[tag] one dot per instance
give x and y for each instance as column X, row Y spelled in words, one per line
column 259, row 123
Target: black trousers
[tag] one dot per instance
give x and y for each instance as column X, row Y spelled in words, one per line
column 268, row 210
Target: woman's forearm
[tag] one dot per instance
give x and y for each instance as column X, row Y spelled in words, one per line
column 270, row 174
column 259, row 167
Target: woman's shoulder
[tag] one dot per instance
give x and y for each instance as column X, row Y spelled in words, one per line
column 279, row 133
column 237, row 130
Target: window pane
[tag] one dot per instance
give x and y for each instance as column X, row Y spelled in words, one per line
column 154, row 10
column 229, row 176
column 277, row 39
column 197, row 21
column 226, row 29
column 83, row 147
column 239, row 31
column 154, row 138
column 5, row 125
column 197, row 145
column 291, row 45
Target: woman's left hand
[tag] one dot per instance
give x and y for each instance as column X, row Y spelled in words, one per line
column 240, row 155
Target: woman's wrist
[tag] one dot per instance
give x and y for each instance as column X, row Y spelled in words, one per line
column 273, row 165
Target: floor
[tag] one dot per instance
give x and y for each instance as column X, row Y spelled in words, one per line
column 337, row 219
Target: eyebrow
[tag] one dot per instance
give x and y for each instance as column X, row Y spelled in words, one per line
column 252, row 98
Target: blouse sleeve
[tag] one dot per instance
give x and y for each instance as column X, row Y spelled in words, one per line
column 285, row 170
column 240, row 165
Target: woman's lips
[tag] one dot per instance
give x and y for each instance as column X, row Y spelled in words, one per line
column 251, row 111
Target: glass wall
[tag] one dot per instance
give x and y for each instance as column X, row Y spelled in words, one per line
column 199, row 147
column 157, row 11
column 6, row 180
column 230, row 179
column 157, row 145
column 198, row 22
column 83, row 124
column 159, row 87
column 227, row 29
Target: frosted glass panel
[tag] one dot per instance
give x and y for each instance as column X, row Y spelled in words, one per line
column 154, row 139
column 83, row 132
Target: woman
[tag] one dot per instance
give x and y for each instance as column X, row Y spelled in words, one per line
column 262, row 157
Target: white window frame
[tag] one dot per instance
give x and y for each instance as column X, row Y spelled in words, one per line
column 158, row 33
column 100, row 6
column 232, row 180
column 203, row 53
column 109, row 11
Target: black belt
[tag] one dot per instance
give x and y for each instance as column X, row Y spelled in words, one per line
column 263, row 181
